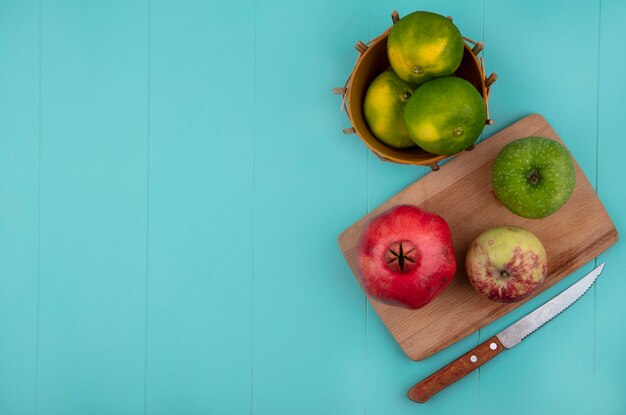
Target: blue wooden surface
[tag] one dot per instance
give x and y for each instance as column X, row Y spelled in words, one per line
column 173, row 178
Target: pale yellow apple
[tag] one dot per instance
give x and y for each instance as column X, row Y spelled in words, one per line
column 506, row 263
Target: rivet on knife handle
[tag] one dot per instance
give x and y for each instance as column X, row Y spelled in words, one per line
column 456, row 370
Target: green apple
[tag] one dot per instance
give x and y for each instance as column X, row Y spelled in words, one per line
column 533, row 176
column 506, row 263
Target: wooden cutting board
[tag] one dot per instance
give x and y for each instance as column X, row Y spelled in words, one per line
column 461, row 192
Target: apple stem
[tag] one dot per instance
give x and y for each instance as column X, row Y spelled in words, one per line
column 533, row 177
column 504, row 274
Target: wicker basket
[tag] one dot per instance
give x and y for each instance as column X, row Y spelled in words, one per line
column 371, row 62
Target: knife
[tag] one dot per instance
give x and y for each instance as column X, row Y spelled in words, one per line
column 507, row 338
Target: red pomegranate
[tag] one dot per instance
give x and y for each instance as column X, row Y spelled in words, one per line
column 405, row 256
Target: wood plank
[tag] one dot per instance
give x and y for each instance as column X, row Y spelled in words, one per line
column 610, row 312
column 309, row 331
column 201, row 201
column 19, row 206
column 459, row 191
column 93, row 207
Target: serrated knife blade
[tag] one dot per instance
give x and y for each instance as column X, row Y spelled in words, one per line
column 516, row 332
column 507, row 338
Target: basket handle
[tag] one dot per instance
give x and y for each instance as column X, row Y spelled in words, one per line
column 395, row 17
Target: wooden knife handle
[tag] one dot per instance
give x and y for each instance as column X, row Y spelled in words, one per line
column 447, row 375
